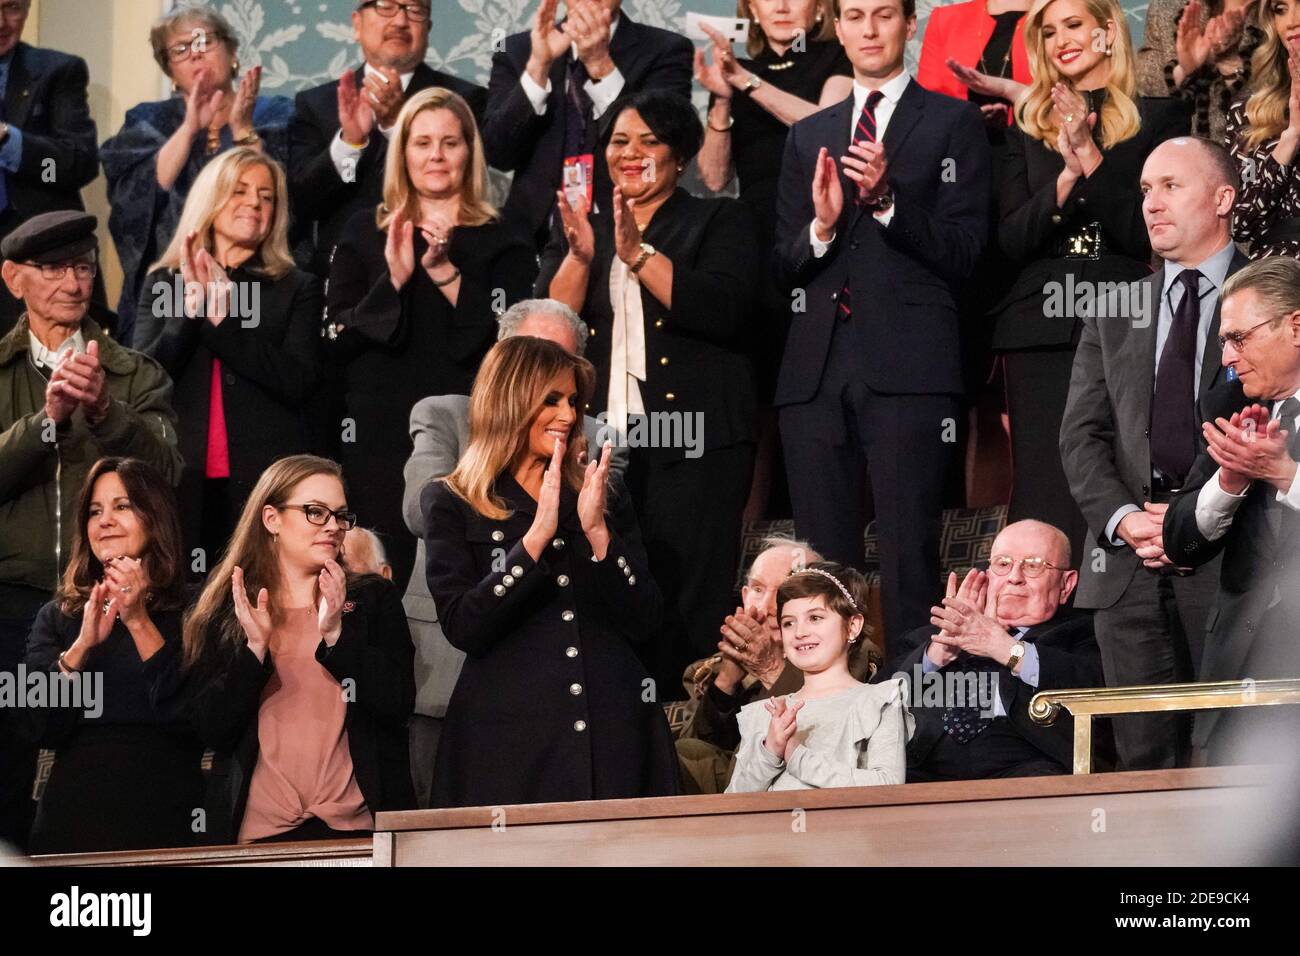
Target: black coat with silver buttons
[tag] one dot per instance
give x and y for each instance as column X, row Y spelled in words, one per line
column 552, row 703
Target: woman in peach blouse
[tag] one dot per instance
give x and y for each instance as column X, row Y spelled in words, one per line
column 299, row 675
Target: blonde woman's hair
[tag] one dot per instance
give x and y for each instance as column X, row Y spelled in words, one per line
column 399, row 193
column 1270, row 85
column 211, row 625
column 1119, row 119
column 756, row 42
column 508, row 394
column 212, row 189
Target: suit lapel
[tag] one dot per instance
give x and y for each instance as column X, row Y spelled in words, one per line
column 421, row 79
column 1212, row 363
column 839, row 119
column 906, row 115
column 904, row 119
column 1145, row 347
column 18, row 98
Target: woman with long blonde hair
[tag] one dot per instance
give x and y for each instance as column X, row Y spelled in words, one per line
column 1264, row 136
column 299, row 675
column 237, row 327
column 415, row 287
column 536, row 566
column 1070, row 216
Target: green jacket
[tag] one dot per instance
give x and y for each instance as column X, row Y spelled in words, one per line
column 42, row 468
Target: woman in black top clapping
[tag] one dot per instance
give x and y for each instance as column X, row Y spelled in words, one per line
column 126, row 772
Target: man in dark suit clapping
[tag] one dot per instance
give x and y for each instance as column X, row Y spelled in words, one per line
column 339, row 133
column 1143, row 371
column 1242, row 499
column 549, row 88
column 1005, row 635
column 47, row 138
column 874, row 234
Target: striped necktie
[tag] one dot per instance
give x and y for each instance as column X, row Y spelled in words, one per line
column 863, row 132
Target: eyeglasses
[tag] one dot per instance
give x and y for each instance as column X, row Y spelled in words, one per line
column 198, row 43
column 56, row 271
column 320, row 515
column 1001, row 564
column 415, row 12
column 1238, row 339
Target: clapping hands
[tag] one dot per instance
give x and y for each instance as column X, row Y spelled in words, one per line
column 781, row 739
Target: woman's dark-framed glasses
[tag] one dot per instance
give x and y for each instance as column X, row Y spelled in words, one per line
column 320, row 515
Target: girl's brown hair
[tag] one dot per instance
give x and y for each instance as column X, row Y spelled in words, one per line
column 154, row 502
column 808, row 583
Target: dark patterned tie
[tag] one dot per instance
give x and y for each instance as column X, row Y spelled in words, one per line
column 966, row 723
column 864, row 132
column 577, row 110
column 1173, row 413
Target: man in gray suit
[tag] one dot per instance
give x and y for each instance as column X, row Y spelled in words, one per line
column 440, row 431
column 1148, row 356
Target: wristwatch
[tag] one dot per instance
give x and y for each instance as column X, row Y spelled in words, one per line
column 1017, row 653
column 751, row 84
column 885, row 201
column 647, row 251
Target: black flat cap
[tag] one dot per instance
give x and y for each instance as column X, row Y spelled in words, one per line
column 51, row 237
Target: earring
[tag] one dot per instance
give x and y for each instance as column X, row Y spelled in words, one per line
column 680, row 168
column 234, row 66
column 1108, row 50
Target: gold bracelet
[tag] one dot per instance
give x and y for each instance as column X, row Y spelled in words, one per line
column 249, row 139
column 731, row 121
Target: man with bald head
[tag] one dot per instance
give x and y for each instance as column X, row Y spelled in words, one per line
column 1010, row 629
column 1131, row 431
column 439, row 432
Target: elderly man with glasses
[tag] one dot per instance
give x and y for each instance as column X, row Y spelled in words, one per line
column 995, row 641
column 69, row 395
column 1242, row 500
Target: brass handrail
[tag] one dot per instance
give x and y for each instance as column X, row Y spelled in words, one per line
column 1086, row 703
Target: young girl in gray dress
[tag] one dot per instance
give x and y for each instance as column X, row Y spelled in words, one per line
column 834, row 731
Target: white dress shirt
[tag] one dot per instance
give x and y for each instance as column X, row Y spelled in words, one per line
column 1215, row 507
column 892, row 93
column 602, row 93
column 345, row 157
column 47, row 359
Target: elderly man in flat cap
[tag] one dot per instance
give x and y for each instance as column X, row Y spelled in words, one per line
column 69, row 395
